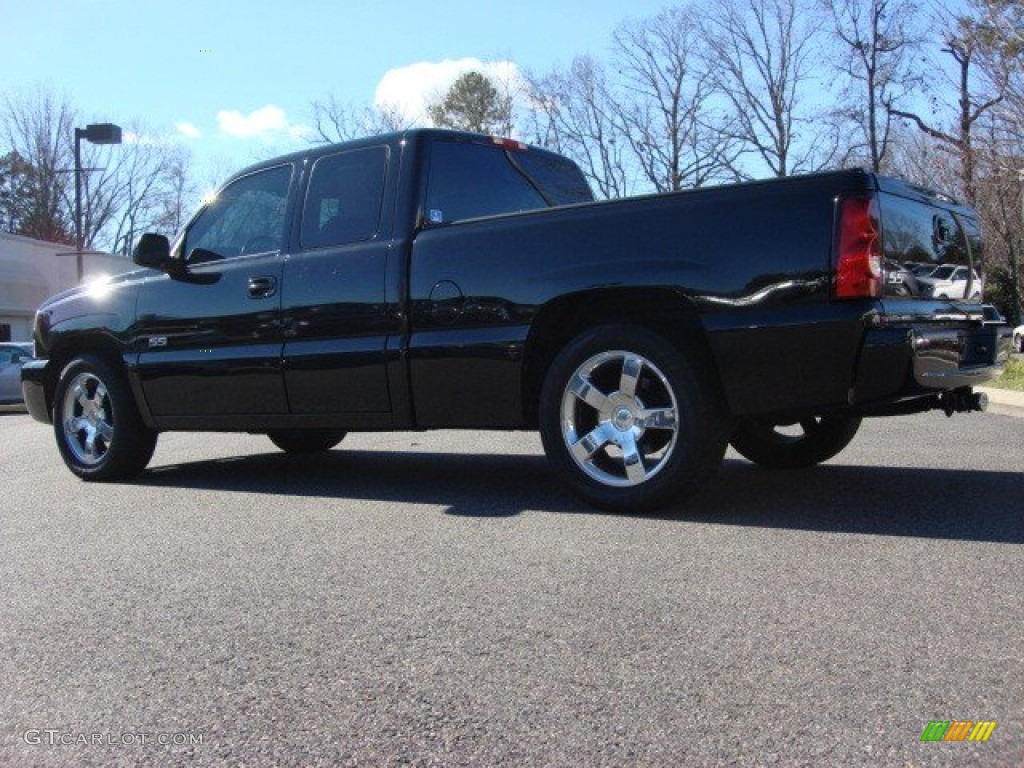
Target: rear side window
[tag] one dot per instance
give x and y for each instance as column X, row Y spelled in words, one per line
column 471, row 180
column 345, row 195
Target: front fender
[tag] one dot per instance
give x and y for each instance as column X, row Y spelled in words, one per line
column 33, row 389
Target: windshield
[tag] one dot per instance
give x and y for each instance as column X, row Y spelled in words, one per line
column 942, row 273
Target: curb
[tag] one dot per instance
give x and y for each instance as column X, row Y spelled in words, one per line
column 1005, row 402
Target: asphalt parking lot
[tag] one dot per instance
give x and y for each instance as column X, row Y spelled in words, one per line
column 438, row 599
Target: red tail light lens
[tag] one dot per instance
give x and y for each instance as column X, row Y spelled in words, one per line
column 509, row 144
column 859, row 267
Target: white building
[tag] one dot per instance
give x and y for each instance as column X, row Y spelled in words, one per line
column 32, row 270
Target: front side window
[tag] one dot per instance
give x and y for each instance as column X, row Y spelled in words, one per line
column 246, row 217
column 343, row 204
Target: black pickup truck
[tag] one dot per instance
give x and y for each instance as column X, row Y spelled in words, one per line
column 432, row 279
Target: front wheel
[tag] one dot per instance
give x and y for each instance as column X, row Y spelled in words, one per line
column 801, row 444
column 99, row 431
column 306, row 440
column 628, row 421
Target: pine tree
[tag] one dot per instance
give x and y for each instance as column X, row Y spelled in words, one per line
column 472, row 104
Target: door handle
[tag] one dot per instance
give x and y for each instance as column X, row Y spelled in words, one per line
column 262, row 287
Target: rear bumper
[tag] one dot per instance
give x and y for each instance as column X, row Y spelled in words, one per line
column 906, row 362
column 33, row 388
column 951, row 359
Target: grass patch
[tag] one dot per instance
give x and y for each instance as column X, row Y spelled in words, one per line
column 1013, row 377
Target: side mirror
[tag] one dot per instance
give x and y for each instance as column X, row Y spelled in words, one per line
column 202, row 256
column 153, row 251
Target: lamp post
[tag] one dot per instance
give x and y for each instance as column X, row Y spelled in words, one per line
column 97, row 133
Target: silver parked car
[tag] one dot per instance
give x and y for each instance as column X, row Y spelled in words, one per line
column 951, row 282
column 12, row 355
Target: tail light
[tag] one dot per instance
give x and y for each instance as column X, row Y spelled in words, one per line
column 859, row 265
column 509, row 144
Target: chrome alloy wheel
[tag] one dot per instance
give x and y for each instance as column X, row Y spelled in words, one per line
column 619, row 418
column 88, row 422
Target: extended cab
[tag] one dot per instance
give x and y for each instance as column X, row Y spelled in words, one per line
column 433, row 279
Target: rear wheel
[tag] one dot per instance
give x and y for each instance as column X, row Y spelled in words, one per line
column 800, row 444
column 306, row 440
column 628, row 421
column 99, row 431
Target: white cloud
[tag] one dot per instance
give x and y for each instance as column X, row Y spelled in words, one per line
column 268, row 123
column 260, row 122
column 188, row 130
column 411, row 89
column 129, row 136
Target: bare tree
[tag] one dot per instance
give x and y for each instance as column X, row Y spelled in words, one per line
column 39, row 127
column 877, row 66
column 1001, row 27
column 15, row 192
column 126, row 188
column 145, row 186
column 999, row 202
column 761, row 51
column 337, row 121
column 665, row 113
column 999, row 148
column 977, row 91
column 575, row 114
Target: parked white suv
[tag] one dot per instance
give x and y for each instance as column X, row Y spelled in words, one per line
column 950, row 282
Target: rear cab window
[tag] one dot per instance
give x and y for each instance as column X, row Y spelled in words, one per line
column 930, row 251
column 469, row 180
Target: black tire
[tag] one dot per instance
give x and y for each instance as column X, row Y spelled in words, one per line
column 628, row 421
column 99, row 431
column 306, row 440
column 818, row 439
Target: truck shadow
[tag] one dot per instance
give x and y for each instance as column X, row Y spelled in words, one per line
column 969, row 505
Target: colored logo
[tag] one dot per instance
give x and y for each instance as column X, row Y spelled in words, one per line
column 958, row 730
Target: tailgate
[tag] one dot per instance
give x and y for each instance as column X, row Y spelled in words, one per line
column 933, row 299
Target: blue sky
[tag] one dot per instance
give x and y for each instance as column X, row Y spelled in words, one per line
column 234, row 79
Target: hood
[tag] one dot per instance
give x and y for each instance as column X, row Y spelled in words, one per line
column 105, row 306
column 95, row 287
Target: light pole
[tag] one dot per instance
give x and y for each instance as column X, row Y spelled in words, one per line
column 97, row 133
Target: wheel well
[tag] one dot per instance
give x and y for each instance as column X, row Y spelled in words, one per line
column 663, row 311
column 66, row 351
